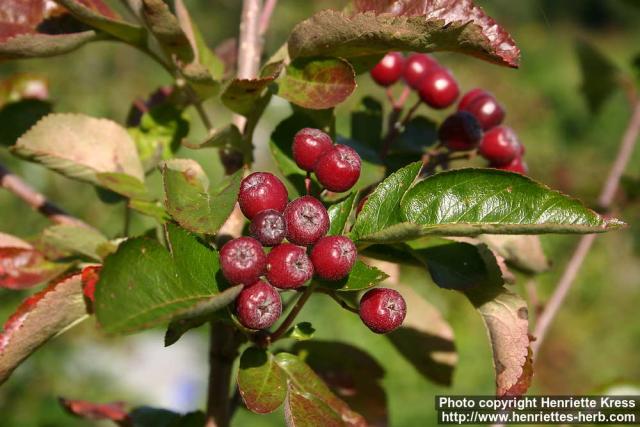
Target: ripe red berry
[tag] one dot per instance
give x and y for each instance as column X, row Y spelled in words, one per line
column 288, row 266
column 242, row 260
column 333, row 257
column 261, row 191
column 416, row 68
column 517, row 165
column 470, row 96
column 339, row 169
column 268, row 227
column 460, row 132
column 389, row 69
column 439, row 88
column 258, row 306
column 500, row 146
column 308, row 145
column 307, row 220
column 486, row 109
column 382, row 310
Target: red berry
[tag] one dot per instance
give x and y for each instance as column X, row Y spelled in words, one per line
column 460, row 132
column 416, row 68
column 486, row 109
column 382, row 310
column 517, row 165
column 470, row 96
column 242, row 260
column 308, row 145
column 333, row 257
column 268, row 227
column 500, row 146
column 258, row 306
column 439, row 89
column 389, row 69
column 307, row 220
column 288, row 266
column 339, row 169
column 261, row 191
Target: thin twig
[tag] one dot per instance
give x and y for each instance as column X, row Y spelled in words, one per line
column 36, row 200
column 265, row 16
column 294, row 313
column 337, row 299
column 609, row 189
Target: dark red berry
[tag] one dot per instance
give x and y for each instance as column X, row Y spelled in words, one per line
column 389, row 69
column 258, row 306
column 416, row 67
column 517, row 165
column 288, row 266
column 261, row 191
column 500, row 146
column 307, row 220
column 333, row 257
column 460, row 132
column 308, row 145
column 268, row 227
column 242, row 260
column 339, row 169
column 486, row 109
column 470, row 96
column 439, row 89
column 382, row 310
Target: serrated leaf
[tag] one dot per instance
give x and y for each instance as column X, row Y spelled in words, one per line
column 17, row 117
column 142, row 284
column 188, row 200
column 246, row 96
column 362, row 277
column 317, row 83
column 415, row 25
column 261, row 382
column 80, row 147
column 522, row 252
column 78, row 240
column 599, row 75
column 339, row 214
column 39, row 318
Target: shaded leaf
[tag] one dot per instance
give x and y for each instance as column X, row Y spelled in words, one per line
column 418, row 135
column 39, row 318
column 599, row 75
column 146, row 416
column 339, row 214
column 165, row 27
column 521, row 251
column 317, row 83
column 246, row 96
column 188, row 200
column 43, row 45
column 362, row 277
column 18, row 117
column 261, row 382
column 226, row 137
column 80, row 147
column 367, row 122
column 78, row 240
column 372, row 169
column 302, row 331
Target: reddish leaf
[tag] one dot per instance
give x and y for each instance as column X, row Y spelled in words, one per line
column 450, row 11
column 90, row 277
column 524, row 381
column 38, row 319
column 97, row 411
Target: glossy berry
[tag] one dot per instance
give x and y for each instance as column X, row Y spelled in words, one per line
column 382, row 310
column 517, row 165
column 333, row 257
column 439, row 89
column 258, row 306
column 469, row 97
column 307, row 220
column 389, row 69
column 242, row 260
column 500, row 146
column 486, row 109
column 268, row 227
column 261, row 191
column 288, row 266
column 460, row 132
column 308, row 145
column 339, row 169
column 416, row 67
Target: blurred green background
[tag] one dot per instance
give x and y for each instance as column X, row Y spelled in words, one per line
column 595, row 339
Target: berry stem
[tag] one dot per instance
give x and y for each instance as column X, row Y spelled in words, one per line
column 411, row 112
column 288, row 321
column 307, row 183
column 337, row 299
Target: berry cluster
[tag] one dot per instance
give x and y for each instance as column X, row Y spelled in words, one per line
column 307, row 251
column 477, row 122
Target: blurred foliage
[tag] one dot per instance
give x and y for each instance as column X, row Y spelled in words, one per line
column 595, row 338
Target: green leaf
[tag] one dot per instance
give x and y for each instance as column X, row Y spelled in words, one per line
column 17, row 117
column 78, row 240
column 317, row 83
column 452, row 27
column 125, row 185
column 143, row 285
column 381, row 209
column 367, row 122
column 39, row 318
column 226, row 137
column 522, row 252
column 188, row 200
column 362, row 277
column 80, row 147
column 165, row 27
column 339, row 214
column 246, row 96
column 261, row 382
column 599, row 75
column 151, row 209
column 44, row 45
column 302, row 331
